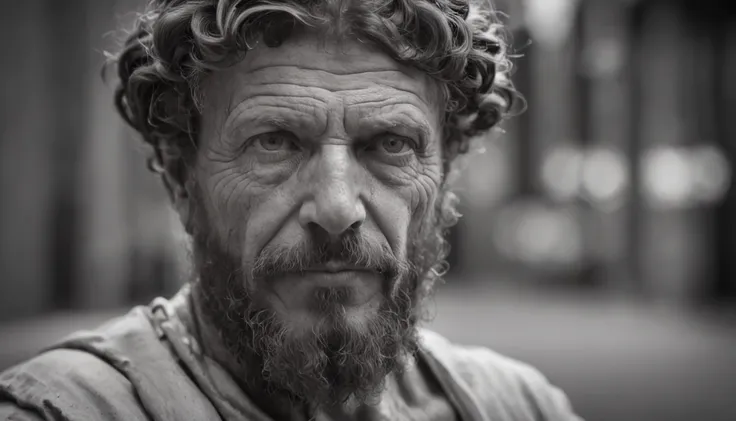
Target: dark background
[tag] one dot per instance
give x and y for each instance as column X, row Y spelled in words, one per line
column 598, row 234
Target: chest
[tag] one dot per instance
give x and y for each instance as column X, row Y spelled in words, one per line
column 415, row 395
column 434, row 408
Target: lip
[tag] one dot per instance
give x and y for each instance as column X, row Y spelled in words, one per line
column 347, row 277
column 335, row 267
column 355, row 279
column 295, row 289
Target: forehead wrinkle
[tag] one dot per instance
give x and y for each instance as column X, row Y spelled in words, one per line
column 409, row 103
column 276, row 88
column 381, row 99
column 327, row 80
column 391, row 115
column 303, row 110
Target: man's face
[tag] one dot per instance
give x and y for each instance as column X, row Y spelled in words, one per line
column 313, row 200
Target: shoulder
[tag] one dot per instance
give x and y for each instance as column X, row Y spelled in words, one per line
column 501, row 385
column 127, row 369
column 68, row 384
column 86, row 376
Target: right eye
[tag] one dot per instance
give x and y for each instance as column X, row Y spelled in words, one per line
column 274, row 142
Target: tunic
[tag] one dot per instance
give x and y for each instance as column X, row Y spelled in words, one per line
column 146, row 366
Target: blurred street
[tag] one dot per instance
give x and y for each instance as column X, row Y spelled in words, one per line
column 617, row 360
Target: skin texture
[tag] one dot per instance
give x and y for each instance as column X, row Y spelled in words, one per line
column 301, row 144
column 353, row 142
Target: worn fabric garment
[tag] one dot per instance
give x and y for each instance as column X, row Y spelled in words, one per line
column 147, row 365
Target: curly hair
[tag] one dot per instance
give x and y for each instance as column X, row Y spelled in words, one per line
column 176, row 43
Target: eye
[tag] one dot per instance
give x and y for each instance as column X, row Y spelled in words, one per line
column 274, row 141
column 394, row 144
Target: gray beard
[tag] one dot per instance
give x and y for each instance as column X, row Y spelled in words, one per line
column 336, row 362
column 332, row 364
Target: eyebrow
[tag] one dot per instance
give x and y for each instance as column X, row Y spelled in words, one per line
column 421, row 126
column 407, row 122
column 278, row 122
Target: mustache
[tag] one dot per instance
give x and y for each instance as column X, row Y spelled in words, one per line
column 351, row 250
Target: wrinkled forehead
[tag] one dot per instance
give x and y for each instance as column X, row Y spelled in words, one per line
column 310, row 59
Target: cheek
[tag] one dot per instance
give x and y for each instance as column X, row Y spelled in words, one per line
column 422, row 193
column 422, row 210
column 231, row 198
column 401, row 210
column 270, row 223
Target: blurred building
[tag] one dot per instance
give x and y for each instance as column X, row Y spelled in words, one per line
column 617, row 177
column 83, row 224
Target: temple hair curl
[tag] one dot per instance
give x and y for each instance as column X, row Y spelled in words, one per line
column 176, row 43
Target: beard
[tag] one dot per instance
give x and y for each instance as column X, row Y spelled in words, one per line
column 334, row 362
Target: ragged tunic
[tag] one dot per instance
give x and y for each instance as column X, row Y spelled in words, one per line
column 147, row 365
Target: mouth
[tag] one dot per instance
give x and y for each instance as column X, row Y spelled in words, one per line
column 342, row 277
column 333, row 267
column 359, row 285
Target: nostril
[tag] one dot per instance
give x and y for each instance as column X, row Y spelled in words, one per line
column 316, row 230
column 356, row 225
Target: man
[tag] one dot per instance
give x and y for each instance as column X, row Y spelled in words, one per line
column 306, row 146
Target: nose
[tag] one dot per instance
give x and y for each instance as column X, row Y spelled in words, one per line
column 335, row 204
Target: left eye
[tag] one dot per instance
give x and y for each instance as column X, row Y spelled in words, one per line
column 395, row 144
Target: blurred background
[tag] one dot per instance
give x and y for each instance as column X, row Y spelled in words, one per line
column 599, row 232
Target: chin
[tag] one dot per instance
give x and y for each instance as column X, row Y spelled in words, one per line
column 315, row 301
column 333, row 357
column 327, row 309
column 308, row 349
